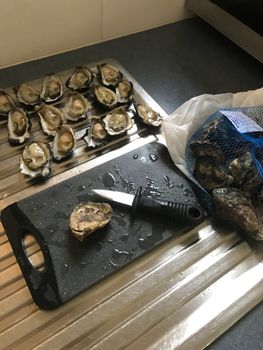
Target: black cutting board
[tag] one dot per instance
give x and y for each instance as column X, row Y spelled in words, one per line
column 72, row 266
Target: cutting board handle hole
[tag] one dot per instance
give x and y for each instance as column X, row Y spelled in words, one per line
column 33, row 251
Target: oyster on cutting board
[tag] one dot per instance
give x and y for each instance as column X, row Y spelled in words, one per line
column 89, row 217
column 148, row 115
column 64, row 142
column 18, row 126
column 50, row 118
column 118, row 121
column 52, row 88
column 35, row 159
column 6, row 103
column 110, row 75
column 96, row 134
column 80, row 79
column 106, row 97
column 76, row 107
column 27, row 95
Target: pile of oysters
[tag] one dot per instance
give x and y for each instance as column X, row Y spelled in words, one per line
column 233, row 181
column 57, row 108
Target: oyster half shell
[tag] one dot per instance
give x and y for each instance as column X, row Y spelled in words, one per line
column 6, row 103
column 52, row 88
column 106, row 97
column 110, row 75
column 77, row 107
column 80, row 79
column 64, row 142
column 148, row 115
column 50, row 118
column 96, row 134
column 124, row 91
column 18, row 126
column 89, row 217
column 27, row 95
column 118, row 121
column 35, row 158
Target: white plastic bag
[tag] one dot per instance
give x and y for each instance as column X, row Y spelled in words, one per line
column 185, row 120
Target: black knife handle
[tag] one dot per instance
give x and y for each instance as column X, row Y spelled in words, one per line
column 168, row 208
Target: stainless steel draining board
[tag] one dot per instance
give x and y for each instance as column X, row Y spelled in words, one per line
column 182, row 295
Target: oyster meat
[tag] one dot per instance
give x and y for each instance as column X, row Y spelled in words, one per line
column 18, row 126
column 245, row 174
column 234, row 206
column 6, row 103
column 148, row 115
column 80, row 79
column 96, row 134
column 50, row 118
column 52, row 88
column 118, row 121
column 106, row 97
column 64, row 142
column 27, row 95
column 110, row 75
column 77, row 107
column 89, row 217
column 124, row 91
column 35, row 159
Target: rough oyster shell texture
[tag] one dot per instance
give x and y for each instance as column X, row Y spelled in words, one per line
column 64, row 142
column 18, row 126
column 35, row 158
column 89, row 217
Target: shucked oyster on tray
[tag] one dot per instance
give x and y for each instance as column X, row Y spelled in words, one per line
column 118, row 121
column 18, row 126
column 64, row 142
column 27, row 95
column 6, row 103
column 50, row 118
column 76, row 107
column 80, row 79
column 106, row 97
column 110, row 75
column 52, row 88
column 148, row 115
column 96, row 134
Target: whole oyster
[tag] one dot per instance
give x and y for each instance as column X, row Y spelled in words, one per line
column 35, row 158
column 77, row 107
column 18, row 126
column 52, row 88
column 27, row 95
column 89, row 217
column 210, row 175
column 148, row 115
column 50, row 118
column 118, row 121
column 96, row 134
column 80, row 79
column 233, row 205
column 203, row 148
column 6, row 103
column 110, row 75
column 245, row 174
column 106, row 97
column 64, row 142
column 124, row 91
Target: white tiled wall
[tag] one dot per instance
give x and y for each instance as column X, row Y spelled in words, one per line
column 31, row 29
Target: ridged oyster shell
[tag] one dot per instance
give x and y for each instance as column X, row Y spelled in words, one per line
column 64, row 142
column 96, row 134
column 118, row 121
column 77, row 107
column 27, row 95
column 80, row 79
column 6, row 103
column 52, row 88
column 50, row 118
column 89, row 217
column 18, row 126
column 35, row 158
column 106, row 97
column 110, row 75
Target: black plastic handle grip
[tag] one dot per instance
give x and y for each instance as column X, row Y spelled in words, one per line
column 171, row 209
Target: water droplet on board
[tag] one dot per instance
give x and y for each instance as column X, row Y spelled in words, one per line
column 167, row 182
column 153, row 157
column 81, row 188
column 108, row 180
column 135, row 156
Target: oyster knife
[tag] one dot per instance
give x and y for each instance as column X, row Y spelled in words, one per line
column 176, row 210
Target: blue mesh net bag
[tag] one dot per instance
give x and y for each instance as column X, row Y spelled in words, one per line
column 225, row 160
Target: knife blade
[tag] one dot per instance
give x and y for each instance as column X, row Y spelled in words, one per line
column 171, row 209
